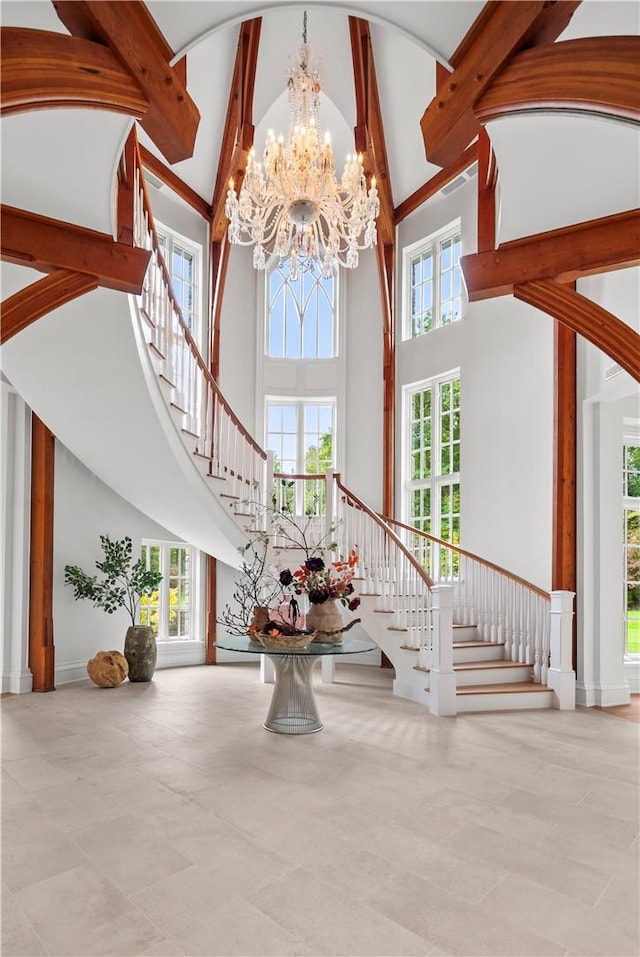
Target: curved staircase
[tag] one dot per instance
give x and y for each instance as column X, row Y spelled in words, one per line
column 119, row 378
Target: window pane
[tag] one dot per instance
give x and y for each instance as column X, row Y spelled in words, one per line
column 308, row 316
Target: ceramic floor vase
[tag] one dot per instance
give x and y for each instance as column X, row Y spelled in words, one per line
column 326, row 619
column 141, row 652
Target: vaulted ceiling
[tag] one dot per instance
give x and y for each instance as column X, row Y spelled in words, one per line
column 554, row 168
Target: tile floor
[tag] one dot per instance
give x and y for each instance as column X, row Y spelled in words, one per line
column 163, row 819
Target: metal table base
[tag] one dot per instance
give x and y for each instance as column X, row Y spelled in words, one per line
column 293, row 705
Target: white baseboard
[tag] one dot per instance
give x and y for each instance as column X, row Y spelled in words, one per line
column 405, row 689
column 181, row 656
column 602, row 696
column 17, row 683
column 71, row 671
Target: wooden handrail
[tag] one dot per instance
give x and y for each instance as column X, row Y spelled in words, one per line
column 386, row 529
column 185, row 329
column 476, row 558
column 305, row 475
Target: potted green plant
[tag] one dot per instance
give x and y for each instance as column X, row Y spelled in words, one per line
column 121, row 585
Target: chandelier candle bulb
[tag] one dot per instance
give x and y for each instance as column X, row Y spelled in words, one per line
column 296, row 207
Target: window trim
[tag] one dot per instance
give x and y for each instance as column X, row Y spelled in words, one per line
column 300, row 402
column 437, row 479
column 431, row 243
column 163, row 638
column 195, row 249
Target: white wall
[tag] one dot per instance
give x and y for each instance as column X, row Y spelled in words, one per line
column 364, row 411
column 84, row 509
column 504, row 350
column 15, row 436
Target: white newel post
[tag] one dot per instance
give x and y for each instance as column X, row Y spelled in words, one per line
column 268, row 488
column 442, row 680
column 561, row 677
column 329, row 515
column 328, row 662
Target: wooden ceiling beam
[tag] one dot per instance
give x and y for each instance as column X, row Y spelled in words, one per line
column 173, row 181
column 370, row 141
column 596, row 74
column 39, row 298
column 503, row 28
column 44, row 70
column 237, row 138
column 128, row 28
column 49, row 244
column 604, row 330
column 435, row 184
column 595, row 246
column 369, row 130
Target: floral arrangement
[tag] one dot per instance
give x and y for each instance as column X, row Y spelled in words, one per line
column 323, row 584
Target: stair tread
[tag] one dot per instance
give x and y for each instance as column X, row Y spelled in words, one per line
column 478, row 644
column 513, row 687
column 498, row 663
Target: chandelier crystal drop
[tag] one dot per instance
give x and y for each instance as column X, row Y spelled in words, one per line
column 291, row 204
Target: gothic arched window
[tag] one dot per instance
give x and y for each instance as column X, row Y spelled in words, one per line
column 301, row 313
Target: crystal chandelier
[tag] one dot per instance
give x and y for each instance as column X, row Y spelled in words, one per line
column 291, row 204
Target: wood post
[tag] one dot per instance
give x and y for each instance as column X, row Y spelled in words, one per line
column 41, row 647
column 211, row 610
column 563, row 565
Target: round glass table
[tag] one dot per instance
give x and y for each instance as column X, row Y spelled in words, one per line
column 293, row 707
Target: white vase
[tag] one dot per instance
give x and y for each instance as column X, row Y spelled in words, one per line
column 326, row 618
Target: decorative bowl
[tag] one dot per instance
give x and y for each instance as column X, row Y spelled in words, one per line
column 284, row 642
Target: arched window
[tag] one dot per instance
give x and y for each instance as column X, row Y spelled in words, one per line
column 301, row 313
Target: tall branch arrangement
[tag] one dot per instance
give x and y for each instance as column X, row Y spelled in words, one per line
column 258, row 584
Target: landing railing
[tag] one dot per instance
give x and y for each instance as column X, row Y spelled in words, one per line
column 504, row 607
column 390, row 570
column 219, row 435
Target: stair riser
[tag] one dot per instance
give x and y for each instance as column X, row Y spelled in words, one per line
column 489, row 653
column 525, row 701
column 465, row 633
column 491, row 676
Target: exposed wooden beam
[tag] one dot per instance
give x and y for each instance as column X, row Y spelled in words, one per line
column 44, row 70
column 595, row 246
column 369, row 130
column 128, row 28
column 595, row 74
column 39, row 298
column 435, row 184
column 49, row 244
column 502, row 29
column 565, row 465
column 386, row 272
column 41, row 647
column 565, row 504
column 211, row 610
column 487, row 182
column 370, row 141
column 126, row 192
column 237, row 138
column 604, row 330
column 219, row 265
column 177, row 185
